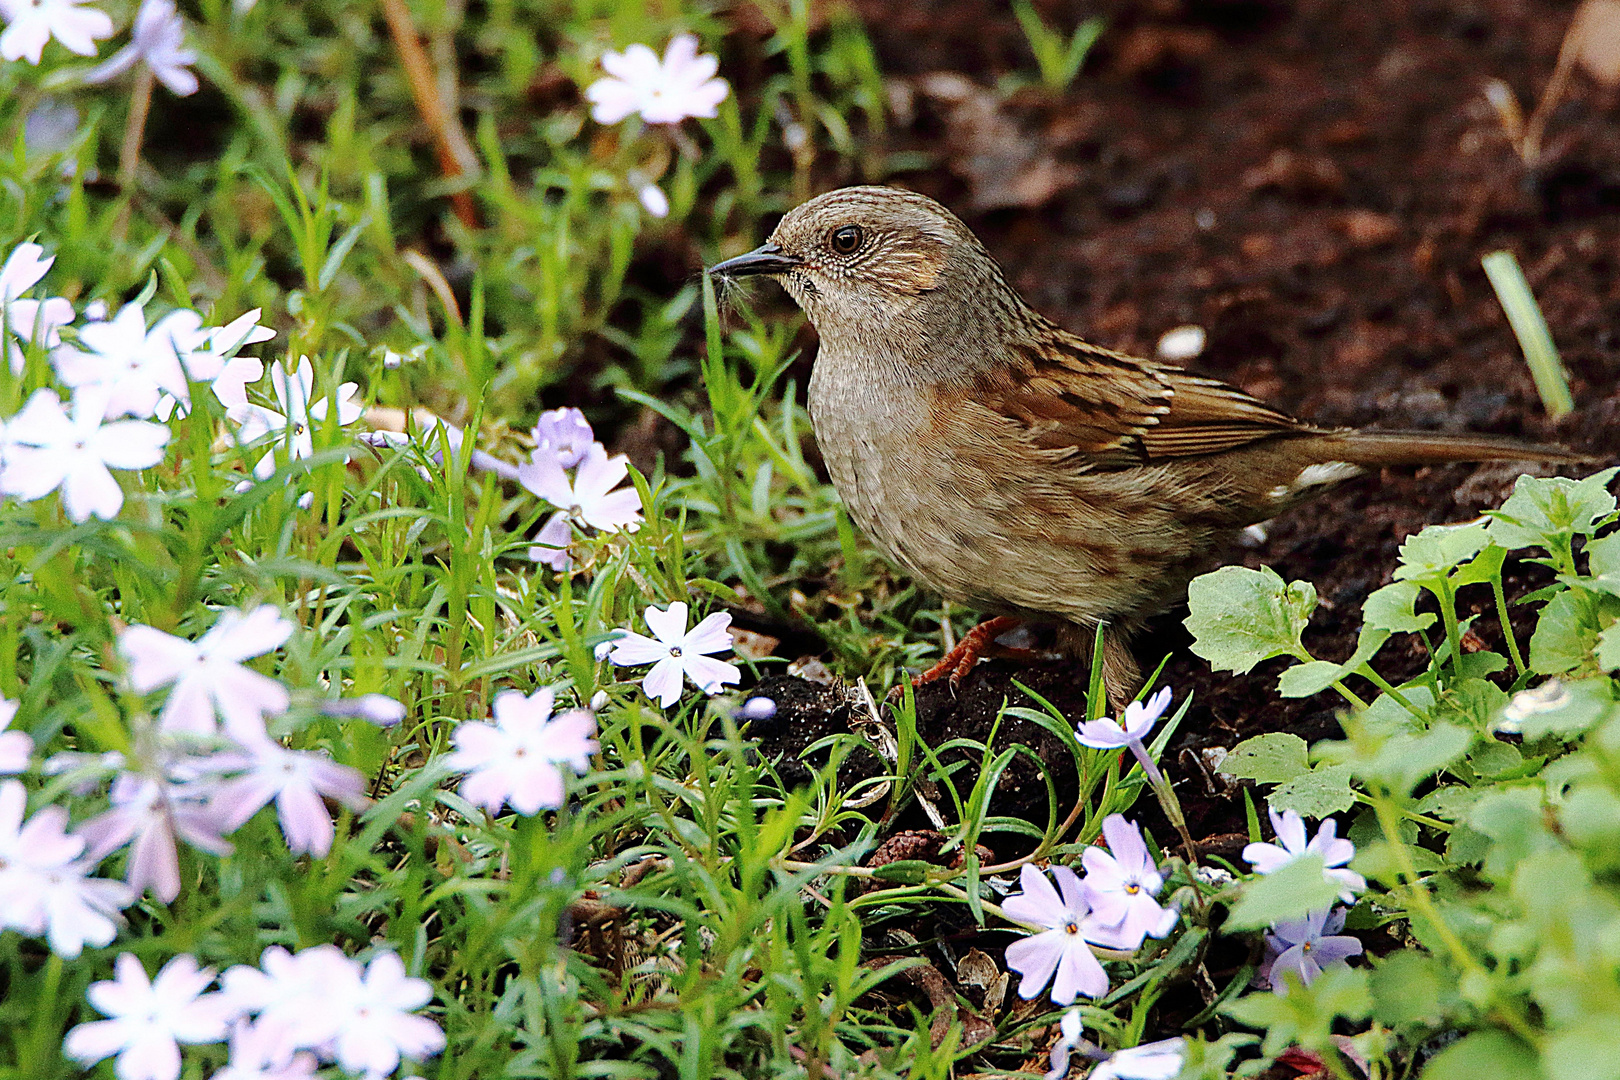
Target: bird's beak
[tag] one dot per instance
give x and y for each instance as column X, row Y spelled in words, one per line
column 766, row 259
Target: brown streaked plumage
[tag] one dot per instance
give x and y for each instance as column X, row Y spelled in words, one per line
column 1011, row 466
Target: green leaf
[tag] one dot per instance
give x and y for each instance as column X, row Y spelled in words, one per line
column 1272, row 758
column 1485, row 1055
column 1486, row 566
column 1402, row 761
column 1608, row 648
column 1546, row 511
column 1314, row 676
column 1585, row 1050
column 1305, row 1014
column 1565, row 634
column 1432, row 553
column 1564, row 709
column 1292, row 891
column 1239, row 617
column 904, row 871
column 1391, row 608
column 1411, row 988
column 1322, row 791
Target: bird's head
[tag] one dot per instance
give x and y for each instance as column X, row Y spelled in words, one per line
column 873, row 262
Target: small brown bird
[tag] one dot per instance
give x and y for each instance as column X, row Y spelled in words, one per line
column 1012, row 467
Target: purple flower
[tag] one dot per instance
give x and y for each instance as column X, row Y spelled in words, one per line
column 1306, row 946
column 550, row 547
column 148, row 1019
column 515, row 760
column 1290, row 830
column 1121, row 884
column 256, row 1055
column 1154, row 1061
column 208, row 675
column 1069, row 1031
column 296, row 780
column 158, row 38
column 564, row 435
column 677, row 653
column 379, row 1026
column 379, row 709
column 1061, row 948
column 1106, row 734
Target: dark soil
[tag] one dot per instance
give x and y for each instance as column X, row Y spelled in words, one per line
column 1315, row 184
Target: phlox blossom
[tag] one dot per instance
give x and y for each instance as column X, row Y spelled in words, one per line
column 299, row 414
column 1121, row 884
column 23, row 269
column 32, row 23
column 148, row 1019
column 1291, row 844
column 157, row 38
column 48, row 449
column 45, row 887
column 683, row 84
column 208, row 677
column 1306, row 946
column 516, row 759
column 1060, row 949
column 677, row 653
column 295, row 780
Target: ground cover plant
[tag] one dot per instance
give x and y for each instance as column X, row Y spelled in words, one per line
column 404, row 549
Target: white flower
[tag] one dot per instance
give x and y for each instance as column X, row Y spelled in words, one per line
column 47, row 450
column 678, row 653
column 1290, row 830
column 256, row 1055
column 129, row 366
column 149, row 1018
column 292, row 425
column 379, row 1026
column 16, row 747
column 23, row 270
column 34, row 22
column 1106, row 734
column 379, row 709
column 45, row 888
column 1154, row 1061
column 208, row 676
column 663, row 93
column 296, row 780
column 320, row 999
column 515, row 760
column 158, row 37
column 205, row 355
column 589, row 498
column 653, row 200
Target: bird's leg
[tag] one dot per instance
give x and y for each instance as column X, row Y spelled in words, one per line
column 975, row 643
column 1121, row 675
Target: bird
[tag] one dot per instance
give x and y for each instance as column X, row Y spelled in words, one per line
column 1009, row 465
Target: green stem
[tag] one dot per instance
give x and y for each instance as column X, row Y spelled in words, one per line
column 1448, row 612
column 1507, row 625
column 1410, row 815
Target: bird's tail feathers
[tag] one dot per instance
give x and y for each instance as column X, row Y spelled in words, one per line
column 1373, row 449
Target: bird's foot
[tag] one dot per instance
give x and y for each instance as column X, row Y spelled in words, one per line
column 977, row 642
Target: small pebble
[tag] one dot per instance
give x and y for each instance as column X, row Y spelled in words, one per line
column 1183, row 343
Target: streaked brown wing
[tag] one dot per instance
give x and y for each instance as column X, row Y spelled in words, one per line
column 1112, row 409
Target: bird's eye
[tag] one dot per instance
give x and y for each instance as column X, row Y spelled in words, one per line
column 846, row 239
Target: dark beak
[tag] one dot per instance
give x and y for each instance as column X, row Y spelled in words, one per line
column 767, row 259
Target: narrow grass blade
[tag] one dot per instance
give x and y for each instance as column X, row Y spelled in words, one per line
column 1524, row 315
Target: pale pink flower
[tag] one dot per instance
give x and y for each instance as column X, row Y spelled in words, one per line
column 150, row 814
column 34, row 22
column 677, row 653
column 1291, row 844
column 379, row 1026
column 206, row 355
column 47, row 450
column 516, row 759
column 301, row 999
column 590, row 498
column 653, row 200
column 208, row 675
column 1161, row 1060
column 1070, row 1029
column 550, row 547
column 296, row 780
column 256, row 1055
column 1061, row 948
column 379, row 709
column 1121, row 884
column 16, row 747
column 45, row 888
column 157, row 38
column 666, row 92
column 148, row 1019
